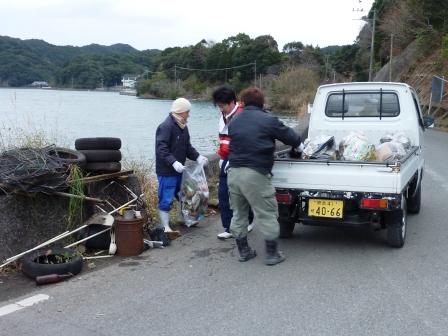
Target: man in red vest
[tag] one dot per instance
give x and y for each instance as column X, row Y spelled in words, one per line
column 225, row 98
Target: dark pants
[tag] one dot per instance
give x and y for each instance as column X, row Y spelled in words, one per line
column 224, row 202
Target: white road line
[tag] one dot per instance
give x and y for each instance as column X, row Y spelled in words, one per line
column 28, row 302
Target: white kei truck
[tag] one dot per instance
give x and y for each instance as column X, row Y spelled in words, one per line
column 337, row 193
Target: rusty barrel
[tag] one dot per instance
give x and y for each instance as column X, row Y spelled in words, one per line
column 128, row 236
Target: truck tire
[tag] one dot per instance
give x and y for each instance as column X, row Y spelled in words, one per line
column 102, row 155
column 97, row 143
column 414, row 202
column 396, row 222
column 67, row 156
column 103, row 167
column 32, row 268
column 286, row 227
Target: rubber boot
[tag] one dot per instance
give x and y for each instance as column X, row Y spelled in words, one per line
column 246, row 253
column 165, row 220
column 273, row 255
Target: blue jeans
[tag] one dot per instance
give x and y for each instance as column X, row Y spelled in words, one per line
column 169, row 187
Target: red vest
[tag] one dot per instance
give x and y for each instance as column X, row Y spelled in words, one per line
column 224, row 138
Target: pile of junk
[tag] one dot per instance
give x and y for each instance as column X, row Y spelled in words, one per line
column 357, row 147
column 114, row 219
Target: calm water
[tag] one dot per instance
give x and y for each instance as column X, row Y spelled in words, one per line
column 67, row 115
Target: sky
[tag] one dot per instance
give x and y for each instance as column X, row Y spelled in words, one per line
column 149, row 24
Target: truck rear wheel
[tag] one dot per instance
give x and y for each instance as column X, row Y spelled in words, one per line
column 414, row 202
column 286, row 227
column 396, row 222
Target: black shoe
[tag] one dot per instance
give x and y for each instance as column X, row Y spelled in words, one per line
column 273, row 255
column 159, row 234
column 246, row 253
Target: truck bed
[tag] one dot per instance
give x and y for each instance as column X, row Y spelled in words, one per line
column 356, row 176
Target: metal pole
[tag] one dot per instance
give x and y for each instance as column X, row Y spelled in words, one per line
column 175, row 75
column 391, row 55
column 372, row 46
column 255, row 73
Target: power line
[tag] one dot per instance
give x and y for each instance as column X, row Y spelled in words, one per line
column 216, row 69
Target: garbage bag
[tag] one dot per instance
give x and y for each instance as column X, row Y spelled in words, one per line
column 399, row 137
column 390, row 151
column 320, row 147
column 356, row 147
column 193, row 194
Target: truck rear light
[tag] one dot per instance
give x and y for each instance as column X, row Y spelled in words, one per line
column 374, row 203
column 284, row 198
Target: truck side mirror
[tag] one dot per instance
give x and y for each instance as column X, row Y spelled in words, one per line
column 428, row 122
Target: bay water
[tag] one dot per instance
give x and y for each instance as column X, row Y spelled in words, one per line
column 68, row 115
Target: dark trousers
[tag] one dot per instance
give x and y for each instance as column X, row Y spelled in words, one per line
column 224, row 202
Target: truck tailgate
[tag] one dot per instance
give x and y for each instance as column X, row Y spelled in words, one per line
column 343, row 175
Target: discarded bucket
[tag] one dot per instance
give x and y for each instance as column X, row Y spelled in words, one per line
column 129, row 236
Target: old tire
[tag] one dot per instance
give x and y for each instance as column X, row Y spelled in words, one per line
column 396, row 225
column 32, row 268
column 103, row 167
column 414, row 202
column 97, row 143
column 67, row 156
column 102, row 155
column 286, row 227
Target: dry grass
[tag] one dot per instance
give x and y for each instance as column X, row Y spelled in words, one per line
column 294, row 89
column 145, row 172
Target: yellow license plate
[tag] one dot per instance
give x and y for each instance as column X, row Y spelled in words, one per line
column 325, row 208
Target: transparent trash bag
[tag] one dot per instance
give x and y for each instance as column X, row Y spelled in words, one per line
column 356, row 147
column 193, row 194
column 320, row 147
column 390, row 151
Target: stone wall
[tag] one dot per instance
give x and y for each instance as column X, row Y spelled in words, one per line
column 27, row 221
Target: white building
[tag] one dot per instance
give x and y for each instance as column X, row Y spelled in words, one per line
column 129, row 81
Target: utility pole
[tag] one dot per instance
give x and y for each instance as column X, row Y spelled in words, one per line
column 372, row 45
column 175, row 75
column 391, row 54
column 326, row 67
column 255, row 73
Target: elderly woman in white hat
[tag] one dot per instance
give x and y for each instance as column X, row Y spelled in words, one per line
column 173, row 147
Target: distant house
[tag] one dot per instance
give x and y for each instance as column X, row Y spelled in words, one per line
column 39, row 84
column 129, row 81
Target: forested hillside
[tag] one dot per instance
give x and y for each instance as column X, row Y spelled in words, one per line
column 25, row 61
column 289, row 76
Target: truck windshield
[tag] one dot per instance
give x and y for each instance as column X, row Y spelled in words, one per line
column 362, row 104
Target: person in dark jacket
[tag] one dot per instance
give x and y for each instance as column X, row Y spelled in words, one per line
column 173, row 147
column 253, row 133
column 225, row 98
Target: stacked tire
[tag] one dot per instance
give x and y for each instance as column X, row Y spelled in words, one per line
column 103, row 155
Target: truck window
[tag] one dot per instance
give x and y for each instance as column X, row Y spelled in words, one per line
column 362, row 104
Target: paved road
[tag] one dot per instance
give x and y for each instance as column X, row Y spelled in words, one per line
column 334, row 282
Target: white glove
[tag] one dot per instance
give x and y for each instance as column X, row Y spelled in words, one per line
column 202, row 160
column 300, row 148
column 220, row 163
column 179, row 167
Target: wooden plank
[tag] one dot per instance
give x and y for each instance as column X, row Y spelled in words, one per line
column 84, row 198
column 103, row 177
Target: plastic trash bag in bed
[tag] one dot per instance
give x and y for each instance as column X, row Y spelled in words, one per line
column 320, row 147
column 356, row 147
